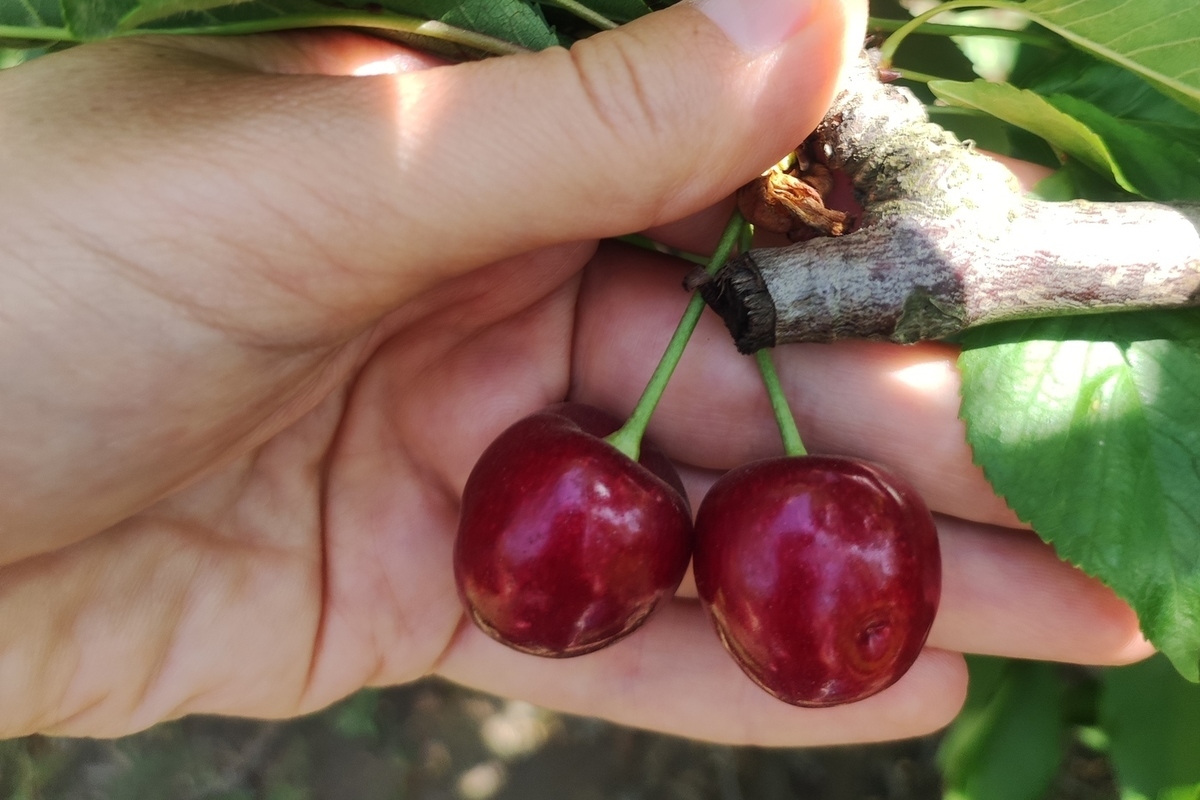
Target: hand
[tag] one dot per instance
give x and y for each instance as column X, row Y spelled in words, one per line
column 258, row 318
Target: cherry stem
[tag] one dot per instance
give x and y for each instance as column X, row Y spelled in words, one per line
column 792, row 445
column 933, row 29
column 646, row 243
column 629, row 438
column 888, row 49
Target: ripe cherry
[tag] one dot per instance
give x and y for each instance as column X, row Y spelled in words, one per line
column 565, row 544
column 822, row 575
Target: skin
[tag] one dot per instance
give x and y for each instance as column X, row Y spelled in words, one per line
column 258, row 319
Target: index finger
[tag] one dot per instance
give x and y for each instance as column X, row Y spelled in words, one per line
column 897, row 405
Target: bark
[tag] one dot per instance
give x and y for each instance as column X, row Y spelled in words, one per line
column 947, row 242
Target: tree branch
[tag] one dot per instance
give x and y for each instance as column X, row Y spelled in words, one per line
column 947, row 242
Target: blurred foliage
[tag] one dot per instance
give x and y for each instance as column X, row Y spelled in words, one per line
column 435, row 741
column 1010, row 738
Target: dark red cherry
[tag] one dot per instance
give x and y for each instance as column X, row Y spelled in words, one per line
column 822, row 575
column 565, row 545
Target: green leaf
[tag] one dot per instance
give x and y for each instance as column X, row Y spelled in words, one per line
column 426, row 9
column 245, row 17
column 150, row 10
column 408, row 21
column 1036, row 114
column 1057, row 188
column 1155, row 160
column 984, row 130
column 1154, row 38
column 1113, row 89
column 90, row 20
column 512, row 20
column 20, row 18
column 1073, row 181
column 1159, row 160
column 1009, row 739
column 1087, row 426
column 1152, row 717
column 1173, row 130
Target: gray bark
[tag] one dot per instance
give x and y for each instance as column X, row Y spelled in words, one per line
column 948, row 242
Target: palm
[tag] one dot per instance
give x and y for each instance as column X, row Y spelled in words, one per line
column 320, row 561
column 422, row 410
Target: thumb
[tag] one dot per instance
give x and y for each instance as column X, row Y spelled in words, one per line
column 628, row 129
column 363, row 191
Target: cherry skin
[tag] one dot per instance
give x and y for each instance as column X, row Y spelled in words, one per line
column 566, row 545
column 822, row 575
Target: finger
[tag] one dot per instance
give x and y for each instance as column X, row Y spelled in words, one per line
column 891, row 404
column 674, row 676
column 697, row 481
column 1027, row 173
column 1005, row 592
column 696, row 233
column 371, row 187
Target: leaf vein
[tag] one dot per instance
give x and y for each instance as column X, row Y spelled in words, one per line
column 33, row 13
column 1162, row 45
column 1062, row 8
column 1150, row 23
column 1080, row 22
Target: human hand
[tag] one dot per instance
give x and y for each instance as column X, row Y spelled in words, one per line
column 260, row 318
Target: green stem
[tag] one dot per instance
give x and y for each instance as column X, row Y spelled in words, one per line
column 955, row 111
column 646, row 243
column 36, row 33
column 913, row 75
column 747, row 239
column 586, row 14
column 935, row 29
column 792, row 445
column 629, row 438
column 888, row 50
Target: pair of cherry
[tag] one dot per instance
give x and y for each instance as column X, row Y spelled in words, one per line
column 821, row 574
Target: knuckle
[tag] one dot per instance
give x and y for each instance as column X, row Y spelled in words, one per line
column 617, row 91
column 637, row 119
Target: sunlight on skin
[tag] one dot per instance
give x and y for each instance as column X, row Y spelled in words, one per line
column 931, row 378
column 392, row 65
column 1027, row 173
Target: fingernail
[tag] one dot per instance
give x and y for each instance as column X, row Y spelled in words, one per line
column 758, row 25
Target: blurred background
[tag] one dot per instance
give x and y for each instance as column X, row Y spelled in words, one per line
column 435, row 741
